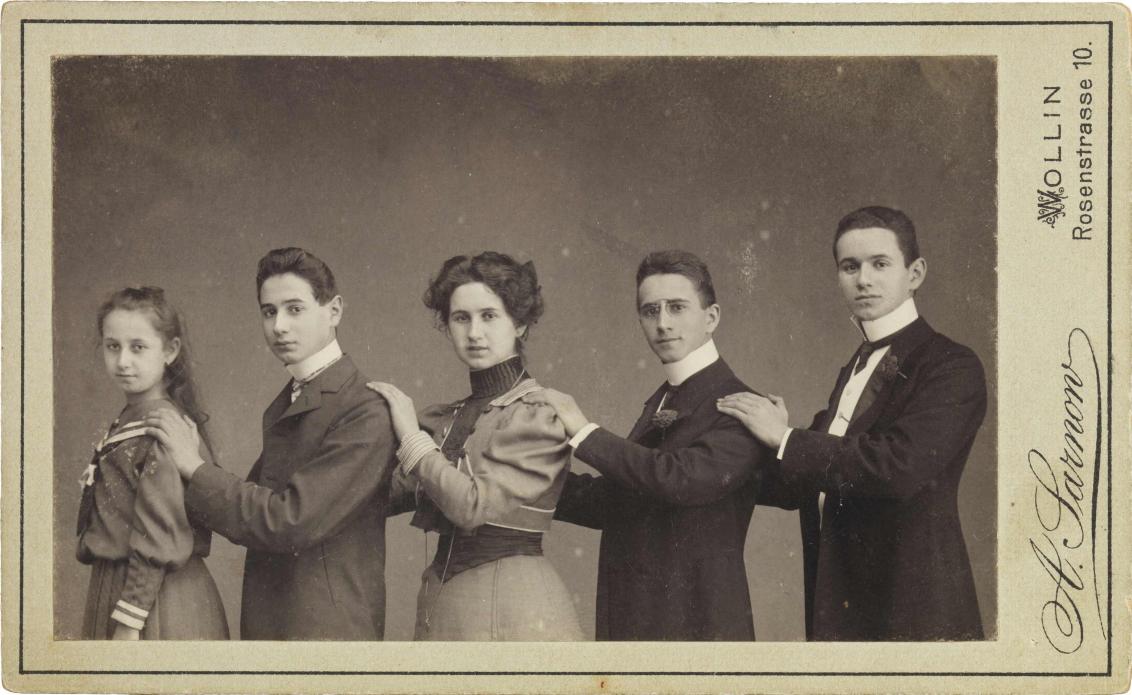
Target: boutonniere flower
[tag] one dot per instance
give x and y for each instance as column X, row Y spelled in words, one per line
column 664, row 418
column 889, row 368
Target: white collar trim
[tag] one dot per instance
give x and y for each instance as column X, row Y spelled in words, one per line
column 891, row 322
column 695, row 361
column 302, row 371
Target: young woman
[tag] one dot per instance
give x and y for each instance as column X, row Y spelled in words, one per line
column 147, row 580
column 487, row 470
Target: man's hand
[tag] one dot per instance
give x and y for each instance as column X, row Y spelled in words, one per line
column 125, row 632
column 764, row 417
column 563, row 403
column 401, row 408
column 178, row 435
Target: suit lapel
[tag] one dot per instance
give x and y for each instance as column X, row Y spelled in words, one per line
column 687, row 398
column 643, row 421
column 881, row 384
column 835, row 397
column 697, row 387
column 310, row 398
column 275, row 410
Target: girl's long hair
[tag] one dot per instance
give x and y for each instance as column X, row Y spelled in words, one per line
column 168, row 322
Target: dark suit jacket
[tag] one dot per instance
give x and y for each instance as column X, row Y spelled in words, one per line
column 312, row 512
column 887, row 561
column 674, row 506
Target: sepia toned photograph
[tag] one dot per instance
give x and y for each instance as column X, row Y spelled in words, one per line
column 573, row 171
column 602, row 363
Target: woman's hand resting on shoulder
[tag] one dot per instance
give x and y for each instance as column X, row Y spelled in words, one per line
column 401, row 408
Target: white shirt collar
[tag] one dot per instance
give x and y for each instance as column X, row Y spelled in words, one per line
column 891, row 322
column 680, row 371
column 302, row 371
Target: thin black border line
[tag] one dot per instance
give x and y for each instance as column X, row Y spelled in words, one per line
column 546, row 24
column 23, row 328
column 769, row 674
column 1111, row 361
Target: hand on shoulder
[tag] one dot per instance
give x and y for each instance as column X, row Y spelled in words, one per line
column 401, row 408
column 177, row 434
column 564, row 406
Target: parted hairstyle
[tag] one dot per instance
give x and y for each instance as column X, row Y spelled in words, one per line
column 302, row 263
column 893, row 220
column 515, row 283
column 676, row 262
column 169, row 324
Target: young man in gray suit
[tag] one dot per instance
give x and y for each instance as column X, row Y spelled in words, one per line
column 312, row 510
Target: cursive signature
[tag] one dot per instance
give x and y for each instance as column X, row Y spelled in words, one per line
column 1065, row 499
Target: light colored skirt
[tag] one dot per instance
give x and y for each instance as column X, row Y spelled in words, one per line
column 188, row 605
column 517, row 599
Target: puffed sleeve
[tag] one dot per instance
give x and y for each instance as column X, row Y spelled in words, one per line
column 161, row 539
column 521, row 461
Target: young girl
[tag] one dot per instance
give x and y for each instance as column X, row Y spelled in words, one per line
column 147, row 580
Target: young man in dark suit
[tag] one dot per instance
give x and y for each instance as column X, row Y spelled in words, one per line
column 876, row 475
column 674, row 499
column 312, row 511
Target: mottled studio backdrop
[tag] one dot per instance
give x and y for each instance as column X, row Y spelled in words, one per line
column 182, row 172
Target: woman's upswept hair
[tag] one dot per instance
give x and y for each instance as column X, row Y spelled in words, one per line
column 515, row 283
column 168, row 322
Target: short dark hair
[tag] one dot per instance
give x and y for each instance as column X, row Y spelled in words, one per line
column 515, row 283
column 676, row 262
column 893, row 220
column 298, row 262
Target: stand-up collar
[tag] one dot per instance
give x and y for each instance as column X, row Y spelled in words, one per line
column 308, row 368
column 695, row 361
column 498, row 378
column 900, row 317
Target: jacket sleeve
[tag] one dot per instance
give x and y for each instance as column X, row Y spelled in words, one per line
column 402, row 493
column 161, row 539
column 323, row 493
column 710, row 467
column 521, row 461
column 940, row 420
column 774, row 490
column 584, row 501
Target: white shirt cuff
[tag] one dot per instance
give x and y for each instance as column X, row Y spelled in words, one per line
column 414, row 447
column 782, row 444
column 129, row 615
column 578, row 438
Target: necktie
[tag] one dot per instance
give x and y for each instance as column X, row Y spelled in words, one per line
column 863, row 353
column 297, row 385
column 868, row 348
column 665, row 414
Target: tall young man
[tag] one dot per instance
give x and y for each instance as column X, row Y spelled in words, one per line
column 675, row 497
column 876, row 475
column 312, row 510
